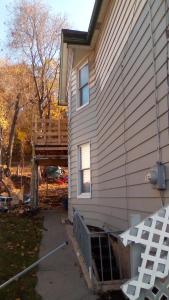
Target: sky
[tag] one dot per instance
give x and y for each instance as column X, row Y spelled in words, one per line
column 78, row 13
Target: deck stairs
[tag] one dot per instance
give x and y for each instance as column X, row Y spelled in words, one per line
column 50, row 148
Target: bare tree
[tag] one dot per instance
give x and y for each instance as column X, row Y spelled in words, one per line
column 12, row 131
column 35, row 32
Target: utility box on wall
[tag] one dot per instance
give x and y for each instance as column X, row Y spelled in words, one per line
column 157, row 177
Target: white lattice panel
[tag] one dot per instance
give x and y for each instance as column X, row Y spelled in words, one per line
column 153, row 235
column 160, row 291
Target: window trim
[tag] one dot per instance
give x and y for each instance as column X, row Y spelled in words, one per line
column 79, row 194
column 78, row 100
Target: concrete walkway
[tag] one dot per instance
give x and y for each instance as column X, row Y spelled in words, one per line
column 59, row 276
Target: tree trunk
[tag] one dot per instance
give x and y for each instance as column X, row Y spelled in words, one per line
column 12, row 132
column 40, row 110
column 49, row 107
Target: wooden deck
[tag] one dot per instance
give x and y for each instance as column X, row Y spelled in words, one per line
column 50, row 139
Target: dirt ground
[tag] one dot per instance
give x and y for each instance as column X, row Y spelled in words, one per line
column 53, row 195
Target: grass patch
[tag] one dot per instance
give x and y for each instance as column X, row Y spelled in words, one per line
column 19, row 247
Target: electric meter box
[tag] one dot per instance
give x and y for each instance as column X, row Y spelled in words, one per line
column 157, row 176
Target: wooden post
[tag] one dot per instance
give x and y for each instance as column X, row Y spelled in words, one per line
column 34, row 184
column 45, row 132
column 59, row 139
column 34, row 180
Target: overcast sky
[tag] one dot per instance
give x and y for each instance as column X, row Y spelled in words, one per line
column 77, row 11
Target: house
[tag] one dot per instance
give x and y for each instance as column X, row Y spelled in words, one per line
column 115, row 79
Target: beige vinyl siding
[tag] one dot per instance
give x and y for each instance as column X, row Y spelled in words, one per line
column 82, row 129
column 121, row 118
column 115, row 34
column 126, row 118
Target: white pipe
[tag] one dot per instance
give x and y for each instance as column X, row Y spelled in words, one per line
column 32, row 266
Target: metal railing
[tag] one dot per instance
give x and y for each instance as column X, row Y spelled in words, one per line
column 17, row 276
column 83, row 237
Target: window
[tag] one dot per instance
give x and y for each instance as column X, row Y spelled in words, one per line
column 84, row 85
column 84, row 178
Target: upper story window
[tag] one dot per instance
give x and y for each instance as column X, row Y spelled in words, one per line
column 84, row 85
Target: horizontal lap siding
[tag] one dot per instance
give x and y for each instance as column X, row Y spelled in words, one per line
column 123, row 101
column 82, row 129
column 126, row 116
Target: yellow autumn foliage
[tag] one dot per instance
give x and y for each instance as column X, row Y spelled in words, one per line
column 22, row 136
column 3, row 118
column 57, row 111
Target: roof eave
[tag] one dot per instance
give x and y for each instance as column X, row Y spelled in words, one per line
column 93, row 21
column 76, row 37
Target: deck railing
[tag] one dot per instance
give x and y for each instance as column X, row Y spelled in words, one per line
column 47, row 132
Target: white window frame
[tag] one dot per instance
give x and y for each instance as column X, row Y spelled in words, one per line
column 79, row 193
column 79, row 67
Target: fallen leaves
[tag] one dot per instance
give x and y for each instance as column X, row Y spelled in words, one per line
column 52, row 195
column 19, row 246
